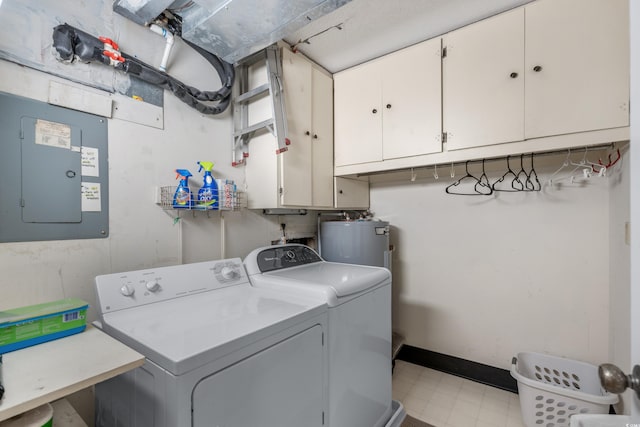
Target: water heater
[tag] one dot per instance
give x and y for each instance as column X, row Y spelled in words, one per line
column 356, row 242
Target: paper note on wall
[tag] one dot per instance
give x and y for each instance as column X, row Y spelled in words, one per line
column 90, row 161
column 91, row 198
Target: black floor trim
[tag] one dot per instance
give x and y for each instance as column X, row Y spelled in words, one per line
column 485, row 374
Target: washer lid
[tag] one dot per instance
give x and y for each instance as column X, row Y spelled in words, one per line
column 335, row 280
column 185, row 333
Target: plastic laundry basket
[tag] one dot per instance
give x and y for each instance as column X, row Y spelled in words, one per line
column 553, row 388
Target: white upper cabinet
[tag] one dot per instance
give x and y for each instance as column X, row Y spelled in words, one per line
column 307, row 166
column 550, row 68
column 297, row 160
column 576, row 66
column 411, row 106
column 390, row 107
column 302, row 176
column 321, row 138
column 483, row 82
column 357, row 115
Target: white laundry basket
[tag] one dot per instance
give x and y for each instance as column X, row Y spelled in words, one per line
column 553, row 388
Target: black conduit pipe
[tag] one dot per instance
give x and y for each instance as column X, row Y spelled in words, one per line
column 71, row 43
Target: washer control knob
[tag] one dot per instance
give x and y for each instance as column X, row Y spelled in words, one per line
column 228, row 273
column 153, row 285
column 127, row 290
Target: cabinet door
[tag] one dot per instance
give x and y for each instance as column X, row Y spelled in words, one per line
column 296, row 162
column 580, row 49
column 483, row 82
column 357, row 115
column 411, row 101
column 322, row 139
column 351, row 193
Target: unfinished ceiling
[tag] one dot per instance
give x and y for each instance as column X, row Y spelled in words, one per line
column 371, row 28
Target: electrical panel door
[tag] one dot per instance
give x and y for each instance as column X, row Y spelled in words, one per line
column 54, row 181
column 51, row 189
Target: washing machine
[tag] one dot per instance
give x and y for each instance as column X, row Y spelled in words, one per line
column 359, row 330
column 218, row 351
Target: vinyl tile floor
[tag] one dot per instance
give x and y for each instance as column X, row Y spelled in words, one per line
column 444, row 400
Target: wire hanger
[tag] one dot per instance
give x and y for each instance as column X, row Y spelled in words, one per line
column 476, row 183
column 565, row 163
column 610, row 163
column 533, row 184
column 597, row 168
column 483, row 182
column 509, row 172
column 522, row 177
column 582, row 164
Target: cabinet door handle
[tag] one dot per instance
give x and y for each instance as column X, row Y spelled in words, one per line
column 374, row 111
column 388, row 106
column 513, row 75
column 537, row 68
column 315, row 136
column 307, row 133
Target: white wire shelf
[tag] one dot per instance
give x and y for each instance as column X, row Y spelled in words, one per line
column 228, row 201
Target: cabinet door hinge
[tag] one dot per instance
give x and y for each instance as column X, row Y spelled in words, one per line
column 281, row 190
column 444, row 137
column 21, row 134
column 444, row 52
column 322, row 417
column 22, row 203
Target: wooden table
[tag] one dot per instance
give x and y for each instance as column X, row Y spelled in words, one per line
column 46, row 372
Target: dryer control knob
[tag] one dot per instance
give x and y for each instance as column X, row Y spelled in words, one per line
column 229, row 273
column 127, row 290
column 153, row 285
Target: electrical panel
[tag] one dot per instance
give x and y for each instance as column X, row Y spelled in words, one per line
column 54, row 182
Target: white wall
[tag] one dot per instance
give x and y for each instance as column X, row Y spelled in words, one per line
column 140, row 158
column 483, row 278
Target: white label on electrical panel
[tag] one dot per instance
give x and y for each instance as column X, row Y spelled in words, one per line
column 53, row 134
column 91, row 199
column 90, row 161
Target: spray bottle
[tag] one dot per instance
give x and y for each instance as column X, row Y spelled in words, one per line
column 183, row 198
column 208, row 193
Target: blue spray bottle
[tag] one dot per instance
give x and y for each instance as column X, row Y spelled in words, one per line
column 183, row 198
column 208, row 193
